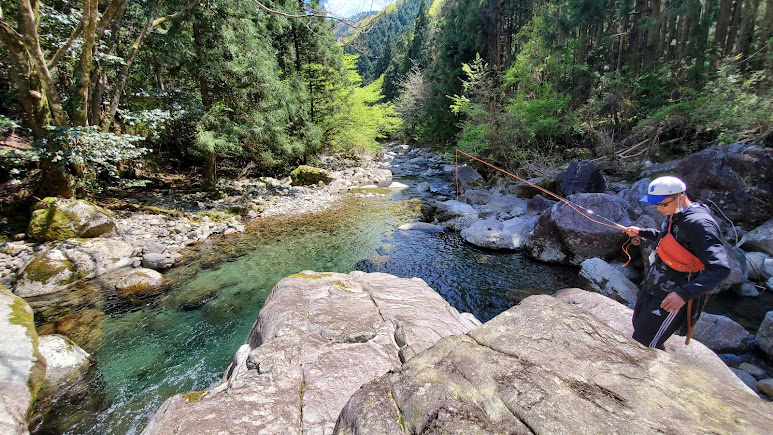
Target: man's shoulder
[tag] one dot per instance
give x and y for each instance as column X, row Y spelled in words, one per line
column 699, row 217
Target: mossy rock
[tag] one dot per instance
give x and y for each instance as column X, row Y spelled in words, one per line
column 308, row 175
column 60, row 219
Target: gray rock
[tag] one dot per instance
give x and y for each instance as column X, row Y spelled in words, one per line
column 765, row 334
column 476, row 197
column 318, row 338
column 755, row 265
column 600, row 277
column 747, row 289
column 747, row 378
column 735, row 177
column 492, row 234
column 55, row 268
column 619, row 318
column 753, row 370
column 538, row 204
column 545, row 366
column 138, row 281
column 445, row 211
column 768, row 267
column 761, row 238
column 422, row 187
column 21, row 367
column 152, row 247
column 56, row 219
column 720, row 333
column 469, row 178
column 562, row 235
column 507, row 204
column 580, row 177
column 157, row 261
column 421, row 226
column 67, row 371
column 766, row 386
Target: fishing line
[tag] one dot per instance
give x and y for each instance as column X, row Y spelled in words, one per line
column 575, row 207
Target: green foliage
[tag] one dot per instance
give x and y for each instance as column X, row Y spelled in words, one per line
column 93, row 153
column 362, row 119
column 731, row 109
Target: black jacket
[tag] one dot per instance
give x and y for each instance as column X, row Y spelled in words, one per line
column 697, row 231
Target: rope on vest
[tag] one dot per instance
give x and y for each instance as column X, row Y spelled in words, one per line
column 631, row 240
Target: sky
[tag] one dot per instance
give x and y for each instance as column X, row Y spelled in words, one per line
column 347, row 8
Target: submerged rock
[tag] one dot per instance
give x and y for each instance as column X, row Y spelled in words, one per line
column 55, row 268
column 84, row 327
column 318, row 338
column 546, row 366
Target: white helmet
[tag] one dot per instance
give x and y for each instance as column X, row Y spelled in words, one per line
column 663, row 187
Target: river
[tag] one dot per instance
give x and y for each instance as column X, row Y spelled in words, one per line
column 185, row 339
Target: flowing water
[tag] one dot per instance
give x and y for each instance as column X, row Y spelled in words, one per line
column 184, row 340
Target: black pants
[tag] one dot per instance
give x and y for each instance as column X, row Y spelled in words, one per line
column 653, row 325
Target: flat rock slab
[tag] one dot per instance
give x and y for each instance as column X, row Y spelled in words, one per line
column 318, row 338
column 546, row 366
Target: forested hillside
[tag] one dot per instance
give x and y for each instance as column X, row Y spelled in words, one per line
column 92, row 90
column 376, row 38
column 522, row 81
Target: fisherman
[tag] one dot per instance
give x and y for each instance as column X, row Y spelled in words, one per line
column 691, row 261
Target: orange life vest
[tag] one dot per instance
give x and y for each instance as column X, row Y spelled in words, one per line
column 676, row 256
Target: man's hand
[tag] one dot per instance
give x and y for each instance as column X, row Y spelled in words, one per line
column 672, row 303
column 631, row 231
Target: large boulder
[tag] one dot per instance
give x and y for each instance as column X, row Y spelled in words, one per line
column 437, row 211
column 736, row 177
column 580, row 177
column 545, row 366
column 721, row 334
column 493, row 234
column 318, row 338
column 308, row 175
column 562, row 235
column 60, row 219
column 57, row 267
column 468, row 178
column 761, row 238
column 22, row 368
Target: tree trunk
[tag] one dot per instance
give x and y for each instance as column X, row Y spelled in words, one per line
column 653, row 34
column 635, row 44
column 210, row 172
column 766, row 33
column 121, row 81
column 90, row 19
column 732, row 32
column 621, row 45
column 746, row 33
column 723, row 21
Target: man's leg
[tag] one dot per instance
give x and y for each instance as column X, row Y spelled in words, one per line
column 653, row 325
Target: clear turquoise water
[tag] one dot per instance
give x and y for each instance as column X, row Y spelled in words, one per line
column 184, row 340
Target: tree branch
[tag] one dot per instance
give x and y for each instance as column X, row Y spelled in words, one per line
column 170, row 17
column 63, row 49
column 286, row 15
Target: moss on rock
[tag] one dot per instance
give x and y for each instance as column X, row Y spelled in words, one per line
column 308, row 175
column 42, row 269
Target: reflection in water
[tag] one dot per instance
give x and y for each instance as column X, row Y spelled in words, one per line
column 185, row 339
